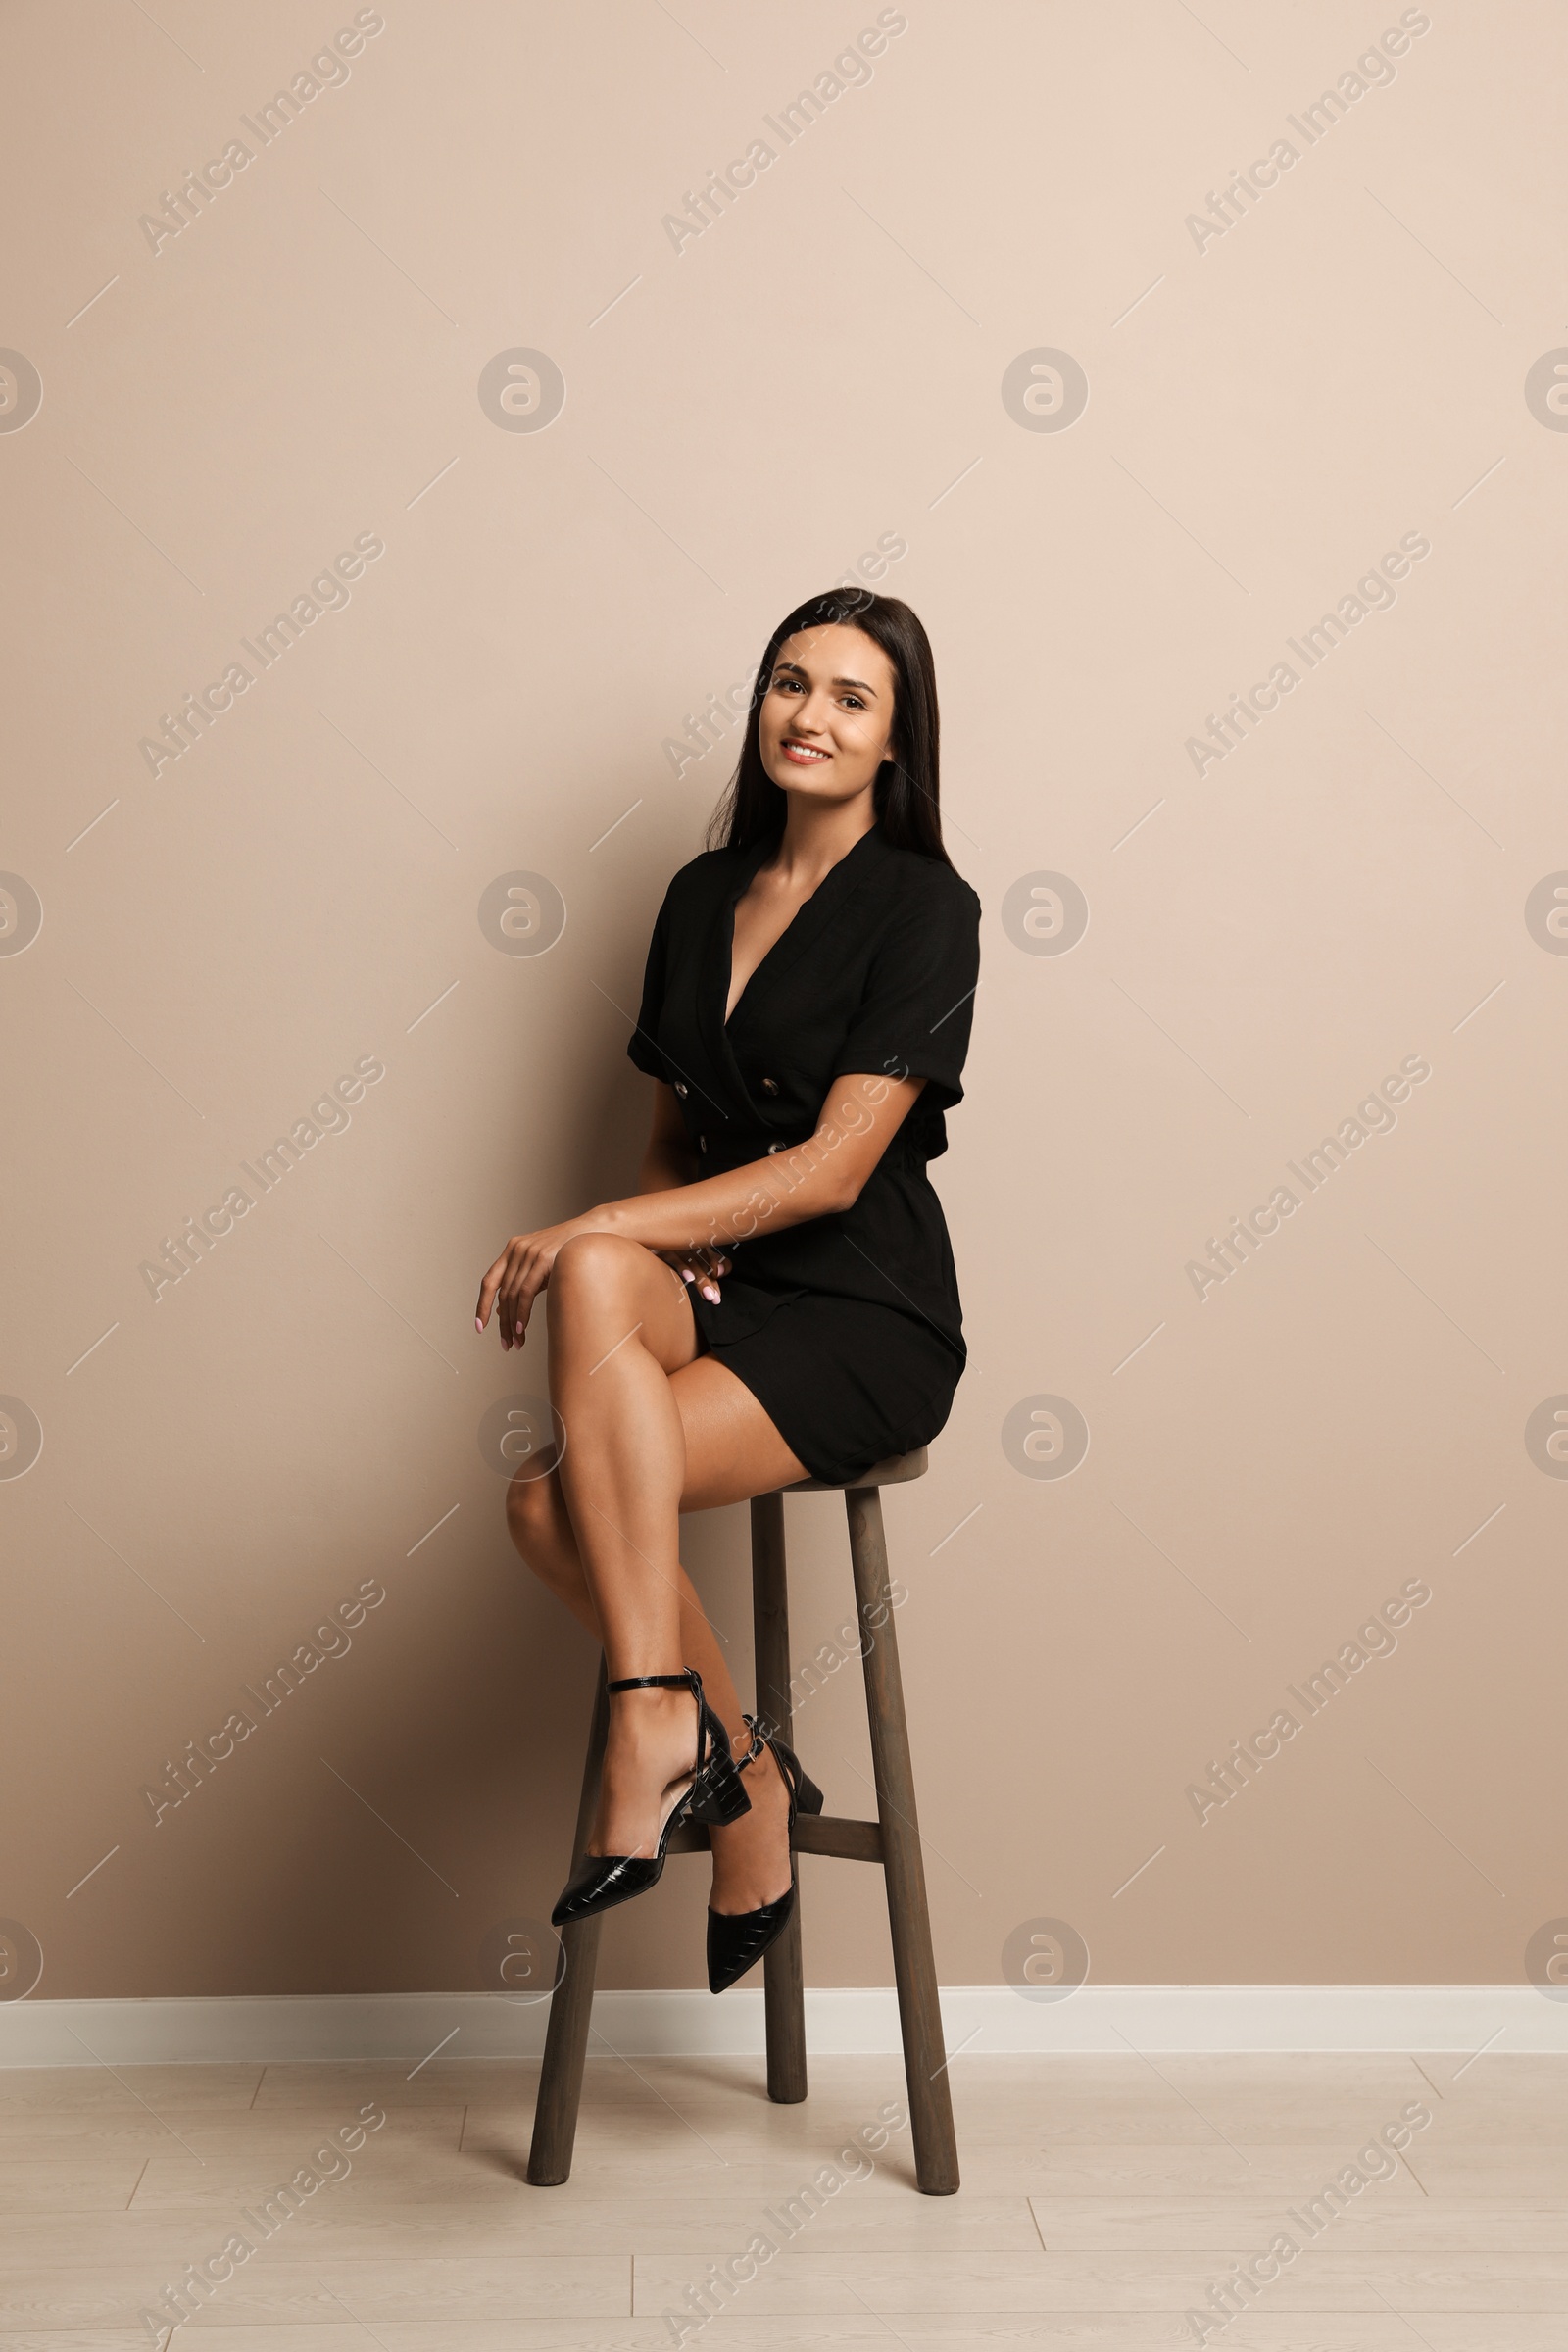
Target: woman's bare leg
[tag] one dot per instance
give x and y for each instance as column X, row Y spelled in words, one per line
column 730, row 1451
column 541, row 1528
column 622, row 1348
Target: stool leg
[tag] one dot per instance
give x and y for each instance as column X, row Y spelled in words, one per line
column 936, row 2154
column 783, row 1983
column 555, row 2115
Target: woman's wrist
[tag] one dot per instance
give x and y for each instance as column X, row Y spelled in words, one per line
column 609, row 1217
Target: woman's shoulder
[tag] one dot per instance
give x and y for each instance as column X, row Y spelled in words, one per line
column 702, row 878
column 930, row 882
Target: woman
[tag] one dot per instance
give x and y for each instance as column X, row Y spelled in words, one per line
column 778, row 1299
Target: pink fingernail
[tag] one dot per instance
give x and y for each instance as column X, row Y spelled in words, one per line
column 477, row 1325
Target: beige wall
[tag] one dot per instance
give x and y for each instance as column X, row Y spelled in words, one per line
column 1271, row 410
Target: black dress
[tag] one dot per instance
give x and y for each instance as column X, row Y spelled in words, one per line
column 846, row 1328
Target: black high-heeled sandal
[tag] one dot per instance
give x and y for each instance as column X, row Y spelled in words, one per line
column 712, row 1794
column 738, row 1939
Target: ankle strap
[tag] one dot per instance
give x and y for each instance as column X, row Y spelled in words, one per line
column 687, row 1678
column 758, row 1743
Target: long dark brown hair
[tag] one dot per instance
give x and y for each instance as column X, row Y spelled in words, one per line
column 907, row 795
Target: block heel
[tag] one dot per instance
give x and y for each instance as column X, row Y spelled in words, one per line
column 718, row 1795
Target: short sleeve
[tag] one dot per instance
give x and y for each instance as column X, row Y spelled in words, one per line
column 643, row 1044
column 914, row 1019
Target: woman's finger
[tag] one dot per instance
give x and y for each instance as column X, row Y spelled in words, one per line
column 718, row 1263
column 532, row 1275
column 488, row 1288
column 507, row 1298
column 517, row 1299
column 514, row 1314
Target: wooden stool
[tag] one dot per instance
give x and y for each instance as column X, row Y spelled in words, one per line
column 892, row 1839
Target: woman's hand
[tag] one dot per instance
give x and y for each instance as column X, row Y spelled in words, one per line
column 703, row 1267
column 519, row 1274
column 860, row 1114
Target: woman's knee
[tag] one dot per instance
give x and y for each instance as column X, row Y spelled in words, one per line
column 593, row 1270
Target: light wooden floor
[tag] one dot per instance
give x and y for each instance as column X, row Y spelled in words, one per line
column 1101, row 2199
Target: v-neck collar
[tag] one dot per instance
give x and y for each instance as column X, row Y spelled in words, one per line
column 820, row 901
column 807, row 925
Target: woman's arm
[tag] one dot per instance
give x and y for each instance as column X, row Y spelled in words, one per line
column 860, row 1118
column 820, row 1178
column 669, row 1159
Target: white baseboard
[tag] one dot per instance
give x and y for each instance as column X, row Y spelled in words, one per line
column 980, row 2020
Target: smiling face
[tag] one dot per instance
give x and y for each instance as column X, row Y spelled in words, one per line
column 826, row 720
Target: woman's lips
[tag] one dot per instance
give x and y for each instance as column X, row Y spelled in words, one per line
column 803, row 754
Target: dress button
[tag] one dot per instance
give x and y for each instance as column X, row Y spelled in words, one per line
column 680, row 1089
column 772, row 1148
column 702, row 1143
column 770, row 1086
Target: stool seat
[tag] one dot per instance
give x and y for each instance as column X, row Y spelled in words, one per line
column 892, row 1473
column 891, row 1844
